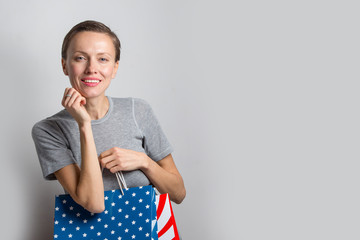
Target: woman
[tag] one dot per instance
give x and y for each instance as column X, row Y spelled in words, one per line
column 95, row 135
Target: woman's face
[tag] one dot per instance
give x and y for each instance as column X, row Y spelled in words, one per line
column 90, row 63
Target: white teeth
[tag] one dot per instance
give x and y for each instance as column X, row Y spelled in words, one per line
column 91, row 81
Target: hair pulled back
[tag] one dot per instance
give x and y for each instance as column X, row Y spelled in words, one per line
column 90, row 26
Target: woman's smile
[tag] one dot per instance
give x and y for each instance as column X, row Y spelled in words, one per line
column 91, row 82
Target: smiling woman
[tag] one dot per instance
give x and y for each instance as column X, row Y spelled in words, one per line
column 90, row 63
column 96, row 132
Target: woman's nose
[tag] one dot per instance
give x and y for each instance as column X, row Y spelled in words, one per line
column 91, row 67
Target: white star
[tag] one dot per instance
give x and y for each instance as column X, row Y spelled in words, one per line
column 64, row 201
column 112, row 204
column 133, row 222
column 126, row 230
column 70, row 236
column 112, row 190
column 133, row 208
column 140, row 187
column 146, row 235
column 56, row 222
column 133, row 236
column 113, row 218
column 78, row 214
column 84, row 234
column 119, row 238
column 77, row 228
column 126, row 216
column 147, row 193
column 85, row 221
column 112, row 232
column 147, row 220
column 127, row 202
column 105, row 226
column 106, row 212
column 140, row 214
column 55, row 236
column 99, row 233
column 140, row 200
column 119, row 224
column 120, row 196
column 106, row 197
column 134, row 194
column 140, row 228
column 92, row 227
column 64, row 215
column 147, row 206
column 99, row 219
column 120, row 210
column 70, row 222
column 63, row 229
column 71, row 208
column 56, row 209
column 92, row 214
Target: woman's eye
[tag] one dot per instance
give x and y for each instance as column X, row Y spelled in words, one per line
column 80, row 58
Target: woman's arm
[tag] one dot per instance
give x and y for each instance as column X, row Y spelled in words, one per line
column 165, row 177
column 163, row 174
column 86, row 185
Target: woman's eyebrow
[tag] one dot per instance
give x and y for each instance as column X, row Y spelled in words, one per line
column 99, row 53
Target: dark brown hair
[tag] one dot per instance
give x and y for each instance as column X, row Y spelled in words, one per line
column 90, row 26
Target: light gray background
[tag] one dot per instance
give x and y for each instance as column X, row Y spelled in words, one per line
column 259, row 98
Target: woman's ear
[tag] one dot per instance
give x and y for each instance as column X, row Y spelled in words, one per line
column 115, row 69
column 63, row 63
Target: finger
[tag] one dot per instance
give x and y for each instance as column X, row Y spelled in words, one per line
column 107, row 152
column 76, row 101
column 106, row 160
column 71, row 96
column 68, row 96
column 115, row 169
column 74, row 96
column 111, row 164
column 64, row 96
column 83, row 100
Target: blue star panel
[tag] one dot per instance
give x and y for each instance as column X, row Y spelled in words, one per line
column 126, row 217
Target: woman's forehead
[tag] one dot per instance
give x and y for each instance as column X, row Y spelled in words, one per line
column 90, row 41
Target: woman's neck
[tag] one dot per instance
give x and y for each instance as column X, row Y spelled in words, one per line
column 97, row 107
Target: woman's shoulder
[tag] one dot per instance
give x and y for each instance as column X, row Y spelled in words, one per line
column 52, row 122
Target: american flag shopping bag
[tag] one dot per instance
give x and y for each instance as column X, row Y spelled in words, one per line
column 166, row 224
column 128, row 215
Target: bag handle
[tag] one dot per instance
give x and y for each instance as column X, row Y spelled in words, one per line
column 120, row 179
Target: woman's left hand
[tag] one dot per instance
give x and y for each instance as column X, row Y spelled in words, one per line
column 119, row 159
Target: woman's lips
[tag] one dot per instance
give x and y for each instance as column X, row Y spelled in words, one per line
column 90, row 82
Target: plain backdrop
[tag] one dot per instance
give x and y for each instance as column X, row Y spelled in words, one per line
column 260, row 100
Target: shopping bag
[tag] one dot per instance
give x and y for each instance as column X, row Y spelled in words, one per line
column 166, row 224
column 129, row 214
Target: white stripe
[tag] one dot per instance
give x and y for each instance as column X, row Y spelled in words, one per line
column 165, row 215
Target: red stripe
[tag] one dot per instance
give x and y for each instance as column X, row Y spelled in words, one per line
column 166, row 227
column 162, row 201
column 174, row 223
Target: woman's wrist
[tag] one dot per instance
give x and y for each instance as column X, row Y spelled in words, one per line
column 146, row 163
column 84, row 125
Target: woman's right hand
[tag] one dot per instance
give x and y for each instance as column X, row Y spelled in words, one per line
column 74, row 104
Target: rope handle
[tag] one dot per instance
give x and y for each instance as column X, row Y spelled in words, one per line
column 120, row 179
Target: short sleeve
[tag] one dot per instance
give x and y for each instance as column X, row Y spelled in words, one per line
column 51, row 147
column 155, row 143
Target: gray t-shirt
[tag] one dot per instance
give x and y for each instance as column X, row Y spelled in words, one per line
column 129, row 123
